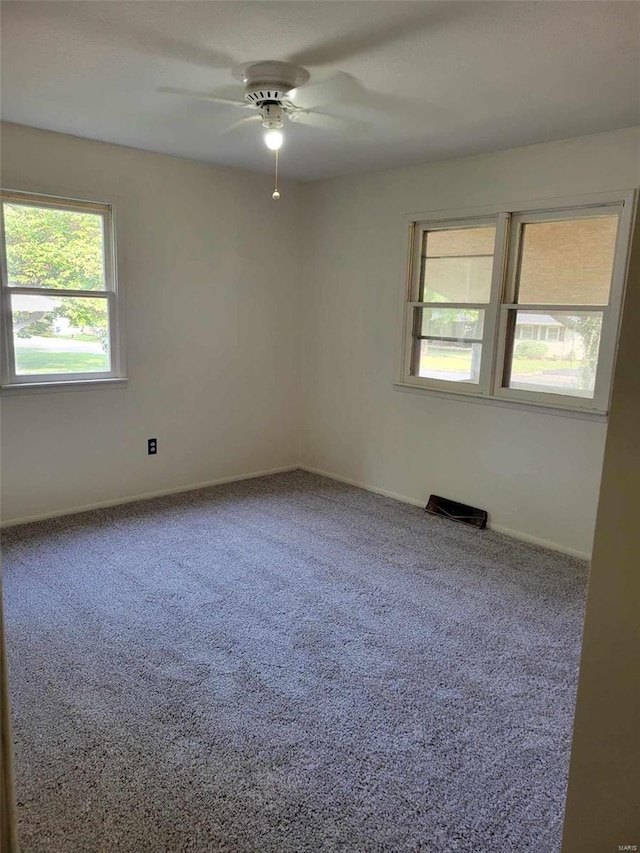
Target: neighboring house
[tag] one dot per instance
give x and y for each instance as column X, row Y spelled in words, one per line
column 33, row 304
column 561, row 342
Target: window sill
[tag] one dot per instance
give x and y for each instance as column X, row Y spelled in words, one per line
column 68, row 385
column 517, row 405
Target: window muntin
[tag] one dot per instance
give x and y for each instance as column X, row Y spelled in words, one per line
column 556, row 348
column 58, row 291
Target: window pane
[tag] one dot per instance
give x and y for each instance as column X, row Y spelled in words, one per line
column 457, row 265
column 460, row 241
column 457, row 279
column 567, row 262
column 565, row 364
column 451, row 322
column 48, row 247
column 60, row 335
column 452, row 362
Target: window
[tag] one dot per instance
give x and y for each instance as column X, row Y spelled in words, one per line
column 553, row 333
column 526, row 333
column 518, row 306
column 59, row 310
column 454, row 291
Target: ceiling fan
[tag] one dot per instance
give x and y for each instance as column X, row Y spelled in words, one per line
column 268, row 88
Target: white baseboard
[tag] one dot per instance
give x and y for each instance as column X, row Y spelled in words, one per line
column 507, row 531
column 544, row 543
column 145, row 496
column 385, row 492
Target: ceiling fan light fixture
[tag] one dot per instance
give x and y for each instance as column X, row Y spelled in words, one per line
column 273, row 139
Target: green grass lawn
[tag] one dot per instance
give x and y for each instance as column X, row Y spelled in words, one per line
column 539, row 365
column 521, row 365
column 77, row 338
column 32, row 360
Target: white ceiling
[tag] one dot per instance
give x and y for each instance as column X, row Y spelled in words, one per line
column 432, row 80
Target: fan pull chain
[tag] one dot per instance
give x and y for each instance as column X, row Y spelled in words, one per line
column 276, row 194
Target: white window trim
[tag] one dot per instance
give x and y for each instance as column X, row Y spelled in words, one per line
column 10, row 383
column 488, row 389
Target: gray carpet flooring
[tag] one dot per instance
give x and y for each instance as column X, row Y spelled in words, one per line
column 288, row 664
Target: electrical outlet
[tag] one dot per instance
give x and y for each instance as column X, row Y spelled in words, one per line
column 152, row 446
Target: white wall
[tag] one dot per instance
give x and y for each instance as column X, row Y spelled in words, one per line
column 536, row 474
column 209, row 275
column 261, row 336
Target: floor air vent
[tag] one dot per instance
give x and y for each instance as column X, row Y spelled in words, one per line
column 457, row 512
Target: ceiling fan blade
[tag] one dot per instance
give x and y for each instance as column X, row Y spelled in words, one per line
column 411, row 19
column 342, row 88
column 241, row 123
column 338, row 88
column 313, row 118
column 206, row 95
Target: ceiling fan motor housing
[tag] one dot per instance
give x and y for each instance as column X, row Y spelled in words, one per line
column 269, row 81
column 265, row 94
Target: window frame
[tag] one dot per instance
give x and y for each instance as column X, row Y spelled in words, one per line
column 508, row 218
column 10, row 381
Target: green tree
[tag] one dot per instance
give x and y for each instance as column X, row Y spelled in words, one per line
column 52, row 248
column 29, row 323
column 588, row 326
